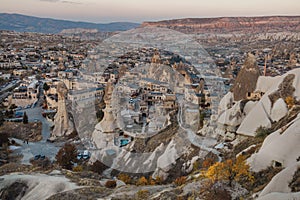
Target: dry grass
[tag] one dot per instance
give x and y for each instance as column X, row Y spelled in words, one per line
column 32, row 131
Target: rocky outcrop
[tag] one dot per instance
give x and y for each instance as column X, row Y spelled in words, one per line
column 230, row 24
column 270, row 111
column 33, row 186
column 281, row 148
column 278, row 188
column 108, row 123
column 63, row 125
column 246, row 80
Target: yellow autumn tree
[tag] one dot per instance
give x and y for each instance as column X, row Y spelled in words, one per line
column 230, row 170
column 215, row 172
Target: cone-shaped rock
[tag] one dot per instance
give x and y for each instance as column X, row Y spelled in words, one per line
column 246, row 80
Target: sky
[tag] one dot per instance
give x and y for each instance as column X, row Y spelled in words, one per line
column 103, row 11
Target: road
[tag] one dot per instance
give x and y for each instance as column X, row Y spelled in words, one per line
column 42, row 147
column 4, row 92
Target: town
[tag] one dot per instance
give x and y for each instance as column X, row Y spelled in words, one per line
column 116, row 102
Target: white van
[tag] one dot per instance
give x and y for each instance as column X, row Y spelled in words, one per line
column 86, row 154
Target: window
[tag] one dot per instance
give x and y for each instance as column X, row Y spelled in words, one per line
column 277, row 164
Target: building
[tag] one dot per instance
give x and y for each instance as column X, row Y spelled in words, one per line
column 65, row 74
column 26, row 94
column 19, row 72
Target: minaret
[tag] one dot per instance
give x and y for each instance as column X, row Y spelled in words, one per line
column 265, row 67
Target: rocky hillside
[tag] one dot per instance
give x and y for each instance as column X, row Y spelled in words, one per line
column 231, row 24
column 271, row 114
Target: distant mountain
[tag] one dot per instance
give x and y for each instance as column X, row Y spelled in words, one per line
column 231, row 24
column 24, row 23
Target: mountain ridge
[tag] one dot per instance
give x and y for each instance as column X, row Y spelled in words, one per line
column 230, row 24
column 25, row 23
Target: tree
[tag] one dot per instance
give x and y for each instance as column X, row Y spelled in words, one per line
column 215, row 172
column 67, row 155
column 25, row 118
column 46, row 87
column 230, row 170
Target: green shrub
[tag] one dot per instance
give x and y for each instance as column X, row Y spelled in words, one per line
column 262, row 132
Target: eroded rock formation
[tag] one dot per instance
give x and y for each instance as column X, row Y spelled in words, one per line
column 246, row 80
column 63, row 126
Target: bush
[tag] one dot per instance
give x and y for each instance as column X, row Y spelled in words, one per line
column 207, row 163
column 111, row 184
column 44, row 163
column 151, row 181
column 262, row 132
column 158, row 180
column 196, row 165
column 78, row 168
column 125, row 178
column 180, row 181
column 98, row 167
column 142, row 181
column 290, row 101
column 143, row 194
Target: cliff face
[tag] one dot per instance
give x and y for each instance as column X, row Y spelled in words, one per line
column 230, row 24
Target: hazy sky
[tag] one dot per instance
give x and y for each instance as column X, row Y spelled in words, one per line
column 147, row 10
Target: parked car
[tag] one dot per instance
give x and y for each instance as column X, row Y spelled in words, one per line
column 86, row 154
column 79, row 156
column 18, row 108
column 36, row 157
